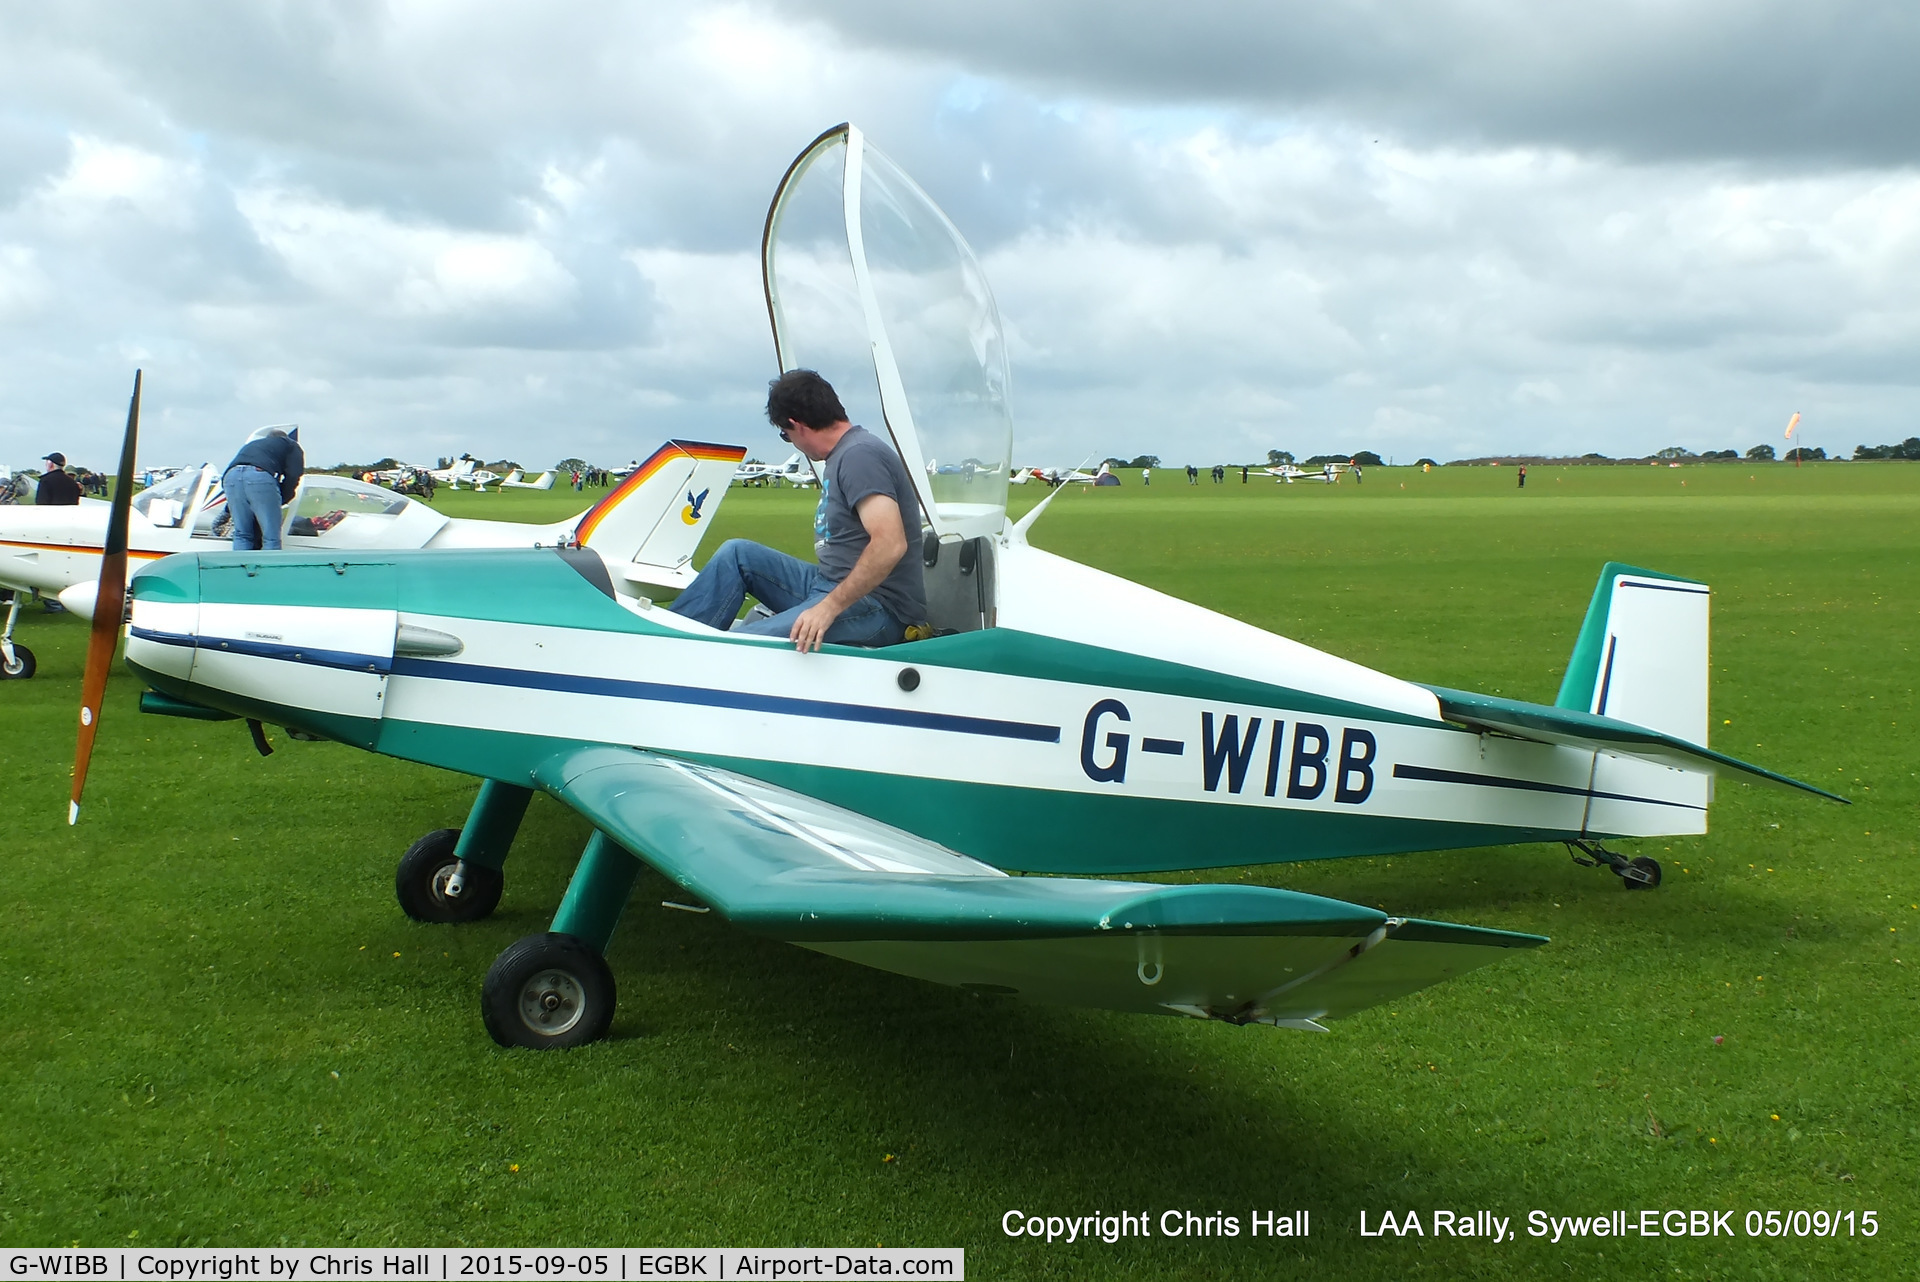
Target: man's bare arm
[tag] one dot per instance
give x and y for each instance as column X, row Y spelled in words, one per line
column 886, row 544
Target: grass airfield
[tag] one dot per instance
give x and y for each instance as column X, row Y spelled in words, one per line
column 218, row 1028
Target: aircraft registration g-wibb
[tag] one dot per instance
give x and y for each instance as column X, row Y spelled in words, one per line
column 870, row 803
column 640, row 528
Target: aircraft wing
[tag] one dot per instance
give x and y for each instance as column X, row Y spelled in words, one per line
column 1576, row 729
column 785, row 865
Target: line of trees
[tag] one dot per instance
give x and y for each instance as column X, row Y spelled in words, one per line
column 1907, row 449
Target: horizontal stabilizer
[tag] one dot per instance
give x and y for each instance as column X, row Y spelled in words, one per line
column 785, row 865
column 1577, row 729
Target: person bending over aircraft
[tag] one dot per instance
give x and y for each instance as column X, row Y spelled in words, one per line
column 865, row 590
column 57, row 487
column 262, row 476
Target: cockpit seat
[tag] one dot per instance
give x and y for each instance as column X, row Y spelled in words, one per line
column 959, row 579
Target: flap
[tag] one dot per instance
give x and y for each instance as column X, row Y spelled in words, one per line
column 1576, row 729
column 782, row 864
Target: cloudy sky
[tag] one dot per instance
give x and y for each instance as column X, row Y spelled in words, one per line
column 1446, row 227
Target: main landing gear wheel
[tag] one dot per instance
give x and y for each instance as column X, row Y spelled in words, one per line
column 548, row 992
column 432, row 885
column 22, row 666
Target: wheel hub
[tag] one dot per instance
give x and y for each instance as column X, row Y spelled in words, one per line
column 551, row 1002
column 448, row 883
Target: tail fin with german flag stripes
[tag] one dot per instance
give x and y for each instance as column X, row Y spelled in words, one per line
column 649, row 526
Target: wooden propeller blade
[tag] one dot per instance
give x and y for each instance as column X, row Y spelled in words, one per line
column 107, row 606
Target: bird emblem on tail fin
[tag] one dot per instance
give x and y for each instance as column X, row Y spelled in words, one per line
column 691, row 512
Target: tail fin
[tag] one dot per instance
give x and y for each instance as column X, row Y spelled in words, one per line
column 544, row 481
column 1642, row 653
column 649, row 526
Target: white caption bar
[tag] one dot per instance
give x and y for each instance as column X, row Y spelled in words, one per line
column 303, row 1264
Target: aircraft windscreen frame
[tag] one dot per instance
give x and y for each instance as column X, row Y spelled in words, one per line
column 165, row 502
column 908, row 326
column 810, row 288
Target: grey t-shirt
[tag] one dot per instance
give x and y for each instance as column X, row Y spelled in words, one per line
column 861, row 465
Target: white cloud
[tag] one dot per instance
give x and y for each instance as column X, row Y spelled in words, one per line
column 367, row 258
column 713, row 314
column 106, row 180
column 23, row 286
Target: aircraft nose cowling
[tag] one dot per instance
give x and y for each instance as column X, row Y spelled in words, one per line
column 291, row 640
column 166, row 618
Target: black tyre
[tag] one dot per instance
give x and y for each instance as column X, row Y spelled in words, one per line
column 22, row 666
column 1648, row 871
column 548, row 992
column 420, row 883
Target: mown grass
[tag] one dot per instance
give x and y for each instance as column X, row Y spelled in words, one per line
column 216, row 1026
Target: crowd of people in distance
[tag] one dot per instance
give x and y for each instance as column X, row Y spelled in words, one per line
column 58, row 486
column 416, row 483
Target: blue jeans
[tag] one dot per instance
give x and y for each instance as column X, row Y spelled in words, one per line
column 784, row 584
column 253, row 496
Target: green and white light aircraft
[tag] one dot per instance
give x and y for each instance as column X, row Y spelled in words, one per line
column 871, row 803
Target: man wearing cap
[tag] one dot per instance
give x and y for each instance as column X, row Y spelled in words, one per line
column 262, row 476
column 866, row 589
column 57, row 486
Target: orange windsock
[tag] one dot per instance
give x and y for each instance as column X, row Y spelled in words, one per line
column 1793, row 423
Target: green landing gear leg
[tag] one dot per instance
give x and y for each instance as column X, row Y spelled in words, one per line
column 556, row 990
column 454, row 874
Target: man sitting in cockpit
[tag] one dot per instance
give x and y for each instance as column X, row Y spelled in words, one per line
column 866, row 589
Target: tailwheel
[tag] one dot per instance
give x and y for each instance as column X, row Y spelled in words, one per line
column 1640, row 874
column 19, row 667
column 433, row 884
column 548, row 992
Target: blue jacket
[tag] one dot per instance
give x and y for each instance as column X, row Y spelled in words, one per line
column 278, row 455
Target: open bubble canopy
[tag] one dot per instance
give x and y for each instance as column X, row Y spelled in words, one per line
column 869, row 283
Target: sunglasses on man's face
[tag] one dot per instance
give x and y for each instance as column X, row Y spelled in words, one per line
column 786, row 435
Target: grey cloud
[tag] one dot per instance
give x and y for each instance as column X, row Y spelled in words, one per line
column 1695, row 79
column 1191, row 229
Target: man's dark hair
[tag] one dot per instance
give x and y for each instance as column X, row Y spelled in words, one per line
column 803, row 395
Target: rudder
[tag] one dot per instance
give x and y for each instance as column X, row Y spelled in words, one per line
column 1642, row 653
